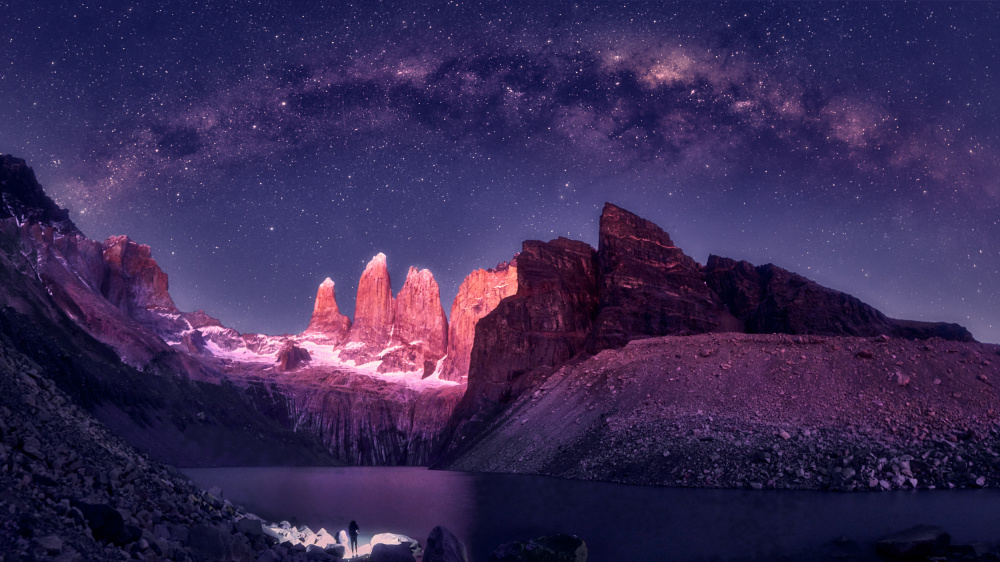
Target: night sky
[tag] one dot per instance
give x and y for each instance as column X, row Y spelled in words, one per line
column 261, row 147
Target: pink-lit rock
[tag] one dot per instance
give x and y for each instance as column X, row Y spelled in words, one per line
column 135, row 283
column 480, row 292
column 420, row 328
column 373, row 312
column 326, row 318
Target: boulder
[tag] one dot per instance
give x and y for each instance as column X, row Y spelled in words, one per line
column 250, row 526
column 443, row 546
column 105, row 523
column 383, row 552
column 555, row 548
column 291, row 357
column 210, row 542
column 316, row 552
column 915, row 543
column 324, row 539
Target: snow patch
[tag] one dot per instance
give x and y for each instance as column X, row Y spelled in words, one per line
column 240, row 354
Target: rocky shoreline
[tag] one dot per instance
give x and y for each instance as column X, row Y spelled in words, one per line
column 72, row 491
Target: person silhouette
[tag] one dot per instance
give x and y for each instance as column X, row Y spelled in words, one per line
column 353, row 529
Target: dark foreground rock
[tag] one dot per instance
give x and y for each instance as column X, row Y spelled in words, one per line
column 917, row 543
column 554, row 548
column 444, row 546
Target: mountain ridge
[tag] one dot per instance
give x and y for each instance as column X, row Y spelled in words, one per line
column 399, row 384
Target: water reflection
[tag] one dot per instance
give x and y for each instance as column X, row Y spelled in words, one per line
column 618, row 522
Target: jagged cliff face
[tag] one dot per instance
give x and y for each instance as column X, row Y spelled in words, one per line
column 480, row 292
column 115, row 292
column 768, row 299
column 24, row 200
column 543, row 325
column 647, row 286
column 52, row 311
column 639, row 285
column 134, row 282
column 376, row 425
column 376, row 390
column 73, row 270
column 326, row 318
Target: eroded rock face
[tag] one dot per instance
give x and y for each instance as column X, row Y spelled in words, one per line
column 540, row 327
column 326, row 317
column 373, row 312
column 134, row 282
column 23, row 199
column 480, row 292
column 768, row 299
column 419, row 316
column 371, row 423
column 647, row 286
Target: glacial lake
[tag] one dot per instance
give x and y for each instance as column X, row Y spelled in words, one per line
column 618, row 522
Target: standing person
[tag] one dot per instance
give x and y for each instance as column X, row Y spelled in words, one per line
column 354, row 530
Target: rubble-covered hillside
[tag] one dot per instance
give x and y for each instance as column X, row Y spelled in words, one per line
column 760, row 411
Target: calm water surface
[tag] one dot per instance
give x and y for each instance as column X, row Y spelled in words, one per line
column 618, row 522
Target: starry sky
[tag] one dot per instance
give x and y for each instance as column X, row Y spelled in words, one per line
column 259, row 147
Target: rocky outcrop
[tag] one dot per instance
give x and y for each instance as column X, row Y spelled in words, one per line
column 647, row 286
column 443, row 546
column 193, row 342
column 24, row 200
column 291, row 357
column 73, row 271
column 419, row 328
column 326, row 318
column 571, row 299
column 554, row 548
column 135, row 283
column 419, row 316
column 768, row 299
column 533, row 332
column 373, row 313
column 405, row 334
column 480, row 292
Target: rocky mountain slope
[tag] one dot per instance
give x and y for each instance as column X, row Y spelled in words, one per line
column 399, row 384
column 775, row 411
column 366, row 391
column 574, row 305
column 573, row 300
